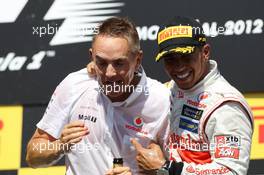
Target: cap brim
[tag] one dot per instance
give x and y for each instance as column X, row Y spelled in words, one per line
column 177, row 49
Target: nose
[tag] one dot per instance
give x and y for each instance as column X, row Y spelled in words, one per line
column 110, row 71
column 176, row 64
column 179, row 63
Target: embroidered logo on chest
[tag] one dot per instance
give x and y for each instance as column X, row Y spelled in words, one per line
column 188, row 125
column 191, row 112
column 87, row 117
column 136, row 126
column 138, row 121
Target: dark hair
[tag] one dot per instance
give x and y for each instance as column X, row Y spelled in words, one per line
column 120, row 27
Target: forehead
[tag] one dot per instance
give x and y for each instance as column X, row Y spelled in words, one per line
column 110, row 47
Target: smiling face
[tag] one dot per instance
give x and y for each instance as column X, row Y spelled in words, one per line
column 187, row 70
column 115, row 65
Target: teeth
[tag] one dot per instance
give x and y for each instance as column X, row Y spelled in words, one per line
column 183, row 76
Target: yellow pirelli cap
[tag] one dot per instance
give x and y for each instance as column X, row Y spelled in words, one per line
column 180, row 35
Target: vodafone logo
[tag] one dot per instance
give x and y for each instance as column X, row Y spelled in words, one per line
column 203, row 96
column 190, row 169
column 138, row 121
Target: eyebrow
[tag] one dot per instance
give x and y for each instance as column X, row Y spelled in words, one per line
column 116, row 59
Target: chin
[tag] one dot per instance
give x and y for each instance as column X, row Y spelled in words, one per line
column 185, row 85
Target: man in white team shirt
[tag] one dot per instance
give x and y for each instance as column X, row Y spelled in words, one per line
column 91, row 120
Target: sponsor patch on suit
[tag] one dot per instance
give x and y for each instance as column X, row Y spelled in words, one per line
column 188, row 125
column 191, row 112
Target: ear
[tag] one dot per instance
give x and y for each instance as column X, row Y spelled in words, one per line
column 91, row 54
column 206, row 52
column 139, row 59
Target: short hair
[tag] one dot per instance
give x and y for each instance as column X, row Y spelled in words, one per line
column 120, row 27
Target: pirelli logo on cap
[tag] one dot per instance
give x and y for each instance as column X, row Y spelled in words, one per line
column 174, row 32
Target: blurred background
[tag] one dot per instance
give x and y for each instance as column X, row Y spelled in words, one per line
column 41, row 41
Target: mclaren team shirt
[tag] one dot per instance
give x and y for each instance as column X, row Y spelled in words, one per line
column 143, row 115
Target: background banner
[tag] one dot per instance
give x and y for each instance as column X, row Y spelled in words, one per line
column 44, row 40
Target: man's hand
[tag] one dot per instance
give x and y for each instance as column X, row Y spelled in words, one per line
column 150, row 158
column 90, row 68
column 43, row 149
column 73, row 133
column 119, row 171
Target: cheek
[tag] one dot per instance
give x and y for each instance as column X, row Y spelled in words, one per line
column 98, row 71
column 128, row 74
column 168, row 68
column 100, row 74
column 198, row 70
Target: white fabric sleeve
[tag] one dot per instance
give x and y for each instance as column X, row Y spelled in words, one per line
column 163, row 122
column 163, row 133
column 57, row 111
column 229, row 130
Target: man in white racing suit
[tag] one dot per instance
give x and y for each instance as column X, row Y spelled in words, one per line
column 90, row 120
column 211, row 124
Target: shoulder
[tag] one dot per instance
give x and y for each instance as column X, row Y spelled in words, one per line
column 158, row 98
column 155, row 84
column 157, row 89
column 222, row 86
column 78, row 77
column 73, row 85
column 228, row 101
column 78, row 80
column 229, row 115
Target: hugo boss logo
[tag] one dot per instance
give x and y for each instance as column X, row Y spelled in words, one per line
column 87, row 117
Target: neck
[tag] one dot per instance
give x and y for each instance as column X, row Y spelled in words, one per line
column 206, row 71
